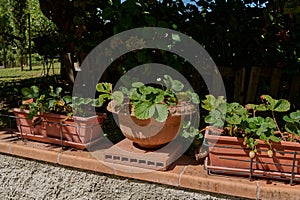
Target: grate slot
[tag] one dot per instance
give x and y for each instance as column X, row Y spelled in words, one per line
column 142, row 162
column 125, row 159
column 116, row 157
column 150, row 163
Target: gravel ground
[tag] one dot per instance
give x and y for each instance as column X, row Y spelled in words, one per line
column 28, row 179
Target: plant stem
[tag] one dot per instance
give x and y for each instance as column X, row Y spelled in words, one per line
column 204, row 129
column 212, row 128
column 292, row 137
column 273, row 115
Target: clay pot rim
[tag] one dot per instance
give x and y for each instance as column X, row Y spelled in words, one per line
column 111, row 108
column 101, row 115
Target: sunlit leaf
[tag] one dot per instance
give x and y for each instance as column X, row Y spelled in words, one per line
column 162, row 112
column 144, row 110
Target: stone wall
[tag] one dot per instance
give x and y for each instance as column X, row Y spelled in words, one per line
column 28, row 179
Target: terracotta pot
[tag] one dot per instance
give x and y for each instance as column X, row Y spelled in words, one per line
column 77, row 129
column 229, row 155
column 149, row 133
column 25, row 125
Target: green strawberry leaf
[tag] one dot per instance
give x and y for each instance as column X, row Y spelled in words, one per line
column 118, row 97
column 144, row 110
column 162, row 112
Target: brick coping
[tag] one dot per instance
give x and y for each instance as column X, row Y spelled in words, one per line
column 184, row 173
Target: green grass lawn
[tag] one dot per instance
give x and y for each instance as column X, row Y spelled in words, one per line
column 15, row 74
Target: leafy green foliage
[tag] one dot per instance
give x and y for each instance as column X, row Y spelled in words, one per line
column 81, row 105
column 106, row 93
column 56, row 103
column 18, row 20
column 53, row 101
column 152, row 102
column 149, row 101
column 32, row 92
column 293, row 122
column 33, row 101
column 190, row 131
column 217, row 110
column 246, row 122
column 235, row 113
column 173, row 85
column 263, row 25
column 281, row 105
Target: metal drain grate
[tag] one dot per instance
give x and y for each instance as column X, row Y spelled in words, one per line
column 134, row 161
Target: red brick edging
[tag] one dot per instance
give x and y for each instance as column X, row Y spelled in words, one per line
column 184, row 173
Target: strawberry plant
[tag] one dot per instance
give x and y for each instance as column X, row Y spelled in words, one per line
column 52, row 101
column 149, row 101
column 251, row 122
column 153, row 101
column 56, row 103
column 33, row 101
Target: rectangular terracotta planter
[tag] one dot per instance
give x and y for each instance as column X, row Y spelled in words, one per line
column 77, row 129
column 25, row 125
column 78, row 132
column 229, row 155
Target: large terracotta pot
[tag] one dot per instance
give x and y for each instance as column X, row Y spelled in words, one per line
column 150, row 133
column 229, row 155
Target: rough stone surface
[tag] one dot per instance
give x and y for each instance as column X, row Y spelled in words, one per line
column 28, row 179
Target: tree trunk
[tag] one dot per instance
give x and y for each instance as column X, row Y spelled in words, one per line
column 4, row 52
column 61, row 13
column 67, row 68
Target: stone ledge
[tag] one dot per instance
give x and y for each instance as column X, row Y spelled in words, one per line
column 184, row 173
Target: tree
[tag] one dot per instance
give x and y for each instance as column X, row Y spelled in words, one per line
column 4, row 30
column 73, row 20
column 11, row 27
column 282, row 34
column 18, row 10
column 236, row 33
